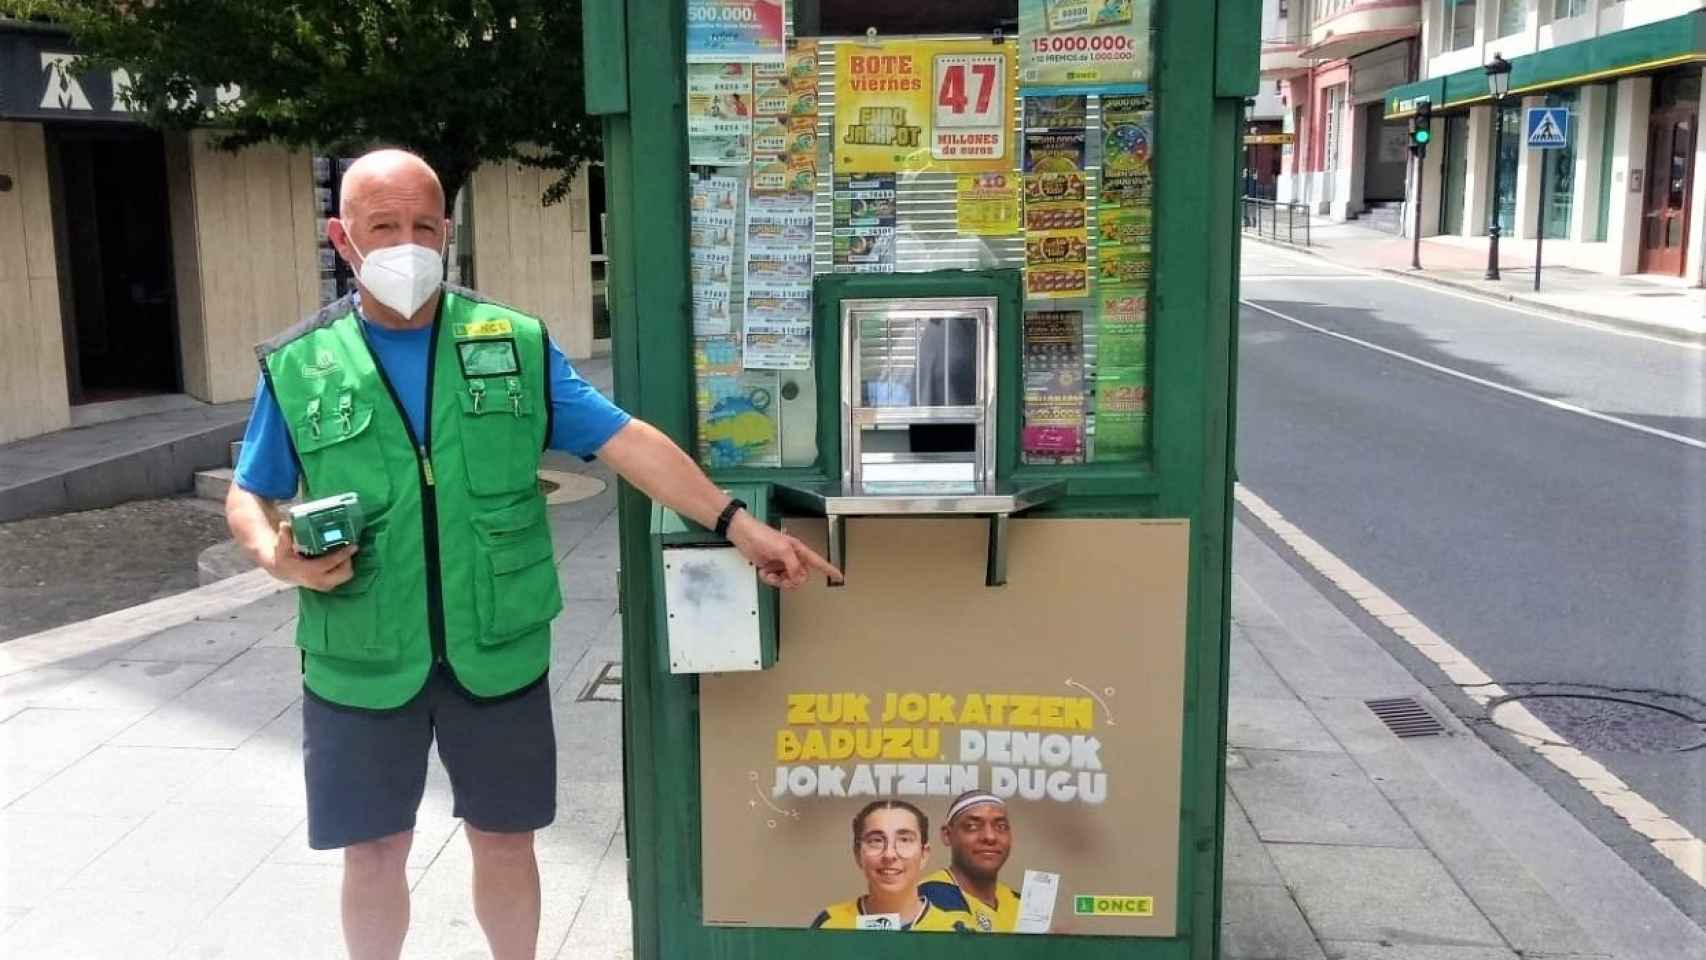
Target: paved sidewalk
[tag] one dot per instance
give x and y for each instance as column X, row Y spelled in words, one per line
column 151, row 797
column 1344, row 841
column 1665, row 305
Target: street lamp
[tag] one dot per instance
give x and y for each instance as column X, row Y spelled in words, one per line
column 1498, row 84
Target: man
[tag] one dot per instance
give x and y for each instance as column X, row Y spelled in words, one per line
column 979, row 839
column 433, row 405
column 890, row 844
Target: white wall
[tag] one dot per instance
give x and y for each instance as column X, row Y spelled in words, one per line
column 1478, row 171
column 1590, row 147
column 1433, row 181
column 33, row 391
column 1542, row 32
column 1268, row 105
column 532, row 257
column 1629, row 154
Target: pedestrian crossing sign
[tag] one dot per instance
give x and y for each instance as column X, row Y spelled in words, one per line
column 1547, row 127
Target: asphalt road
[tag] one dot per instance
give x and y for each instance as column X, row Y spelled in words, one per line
column 1557, row 549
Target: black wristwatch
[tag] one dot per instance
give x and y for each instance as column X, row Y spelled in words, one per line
column 728, row 516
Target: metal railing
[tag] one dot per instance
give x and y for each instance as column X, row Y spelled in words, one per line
column 1276, row 220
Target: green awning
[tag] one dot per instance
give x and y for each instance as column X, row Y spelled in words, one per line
column 1645, row 49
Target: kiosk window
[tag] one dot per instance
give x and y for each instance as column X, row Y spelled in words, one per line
column 891, row 136
column 911, row 361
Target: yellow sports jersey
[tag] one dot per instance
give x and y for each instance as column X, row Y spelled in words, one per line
column 943, row 892
column 934, row 919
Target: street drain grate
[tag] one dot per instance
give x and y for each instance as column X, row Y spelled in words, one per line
column 606, row 687
column 1405, row 717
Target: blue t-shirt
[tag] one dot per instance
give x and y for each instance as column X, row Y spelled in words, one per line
column 582, row 420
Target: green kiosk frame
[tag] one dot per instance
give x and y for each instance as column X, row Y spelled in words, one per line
column 1205, row 65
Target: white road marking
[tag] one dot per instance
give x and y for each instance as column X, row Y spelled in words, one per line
column 1488, row 301
column 1671, row 839
column 1306, row 276
column 1482, row 382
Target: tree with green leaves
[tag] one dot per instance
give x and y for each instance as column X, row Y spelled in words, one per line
column 459, row 82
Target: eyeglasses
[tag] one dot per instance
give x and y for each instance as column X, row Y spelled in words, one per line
column 903, row 844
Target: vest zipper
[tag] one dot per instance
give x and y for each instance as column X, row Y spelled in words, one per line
column 429, row 508
column 429, row 492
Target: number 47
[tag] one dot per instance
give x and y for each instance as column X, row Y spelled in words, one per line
column 952, row 94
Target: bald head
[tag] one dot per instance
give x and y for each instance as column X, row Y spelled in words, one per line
column 384, row 173
column 389, row 198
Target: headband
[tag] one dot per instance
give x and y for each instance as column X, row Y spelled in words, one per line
column 976, row 799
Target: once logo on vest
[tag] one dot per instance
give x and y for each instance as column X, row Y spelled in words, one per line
column 482, row 328
column 324, row 365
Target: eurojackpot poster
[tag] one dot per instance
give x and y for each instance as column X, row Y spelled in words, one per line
column 931, row 754
column 914, row 105
column 1084, row 46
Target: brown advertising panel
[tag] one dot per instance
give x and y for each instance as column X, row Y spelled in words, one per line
column 1051, row 708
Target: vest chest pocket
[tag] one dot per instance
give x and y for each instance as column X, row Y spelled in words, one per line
column 346, row 622
column 339, row 447
column 500, row 440
column 515, row 575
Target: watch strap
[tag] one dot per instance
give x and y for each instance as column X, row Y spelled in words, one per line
column 727, row 517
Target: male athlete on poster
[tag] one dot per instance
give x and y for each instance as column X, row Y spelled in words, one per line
column 980, row 839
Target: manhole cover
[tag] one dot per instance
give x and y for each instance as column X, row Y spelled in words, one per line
column 561, row 487
column 1615, row 723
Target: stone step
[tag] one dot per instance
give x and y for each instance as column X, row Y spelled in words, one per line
column 213, row 484
column 222, row 560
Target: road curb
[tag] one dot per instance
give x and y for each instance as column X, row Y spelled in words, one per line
column 134, row 623
column 1623, row 323
column 1281, row 245
column 1692, row 338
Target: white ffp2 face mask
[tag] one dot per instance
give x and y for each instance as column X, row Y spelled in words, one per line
column 402, row 277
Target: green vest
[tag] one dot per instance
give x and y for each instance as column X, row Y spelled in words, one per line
column 456, row 567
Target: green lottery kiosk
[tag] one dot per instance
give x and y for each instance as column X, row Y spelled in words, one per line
column 946, row 289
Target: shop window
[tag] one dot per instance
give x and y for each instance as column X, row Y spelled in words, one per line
column 1458, row 16
column 1333, row 107
column 1677, row 89
column 1509, row 147
column 1559, row 195
column 1681, row 152
column 1513, row 16
column 1456, row 173
column 336, row 278
column 1607, row 141
column 1565, row 9
column 600, row 258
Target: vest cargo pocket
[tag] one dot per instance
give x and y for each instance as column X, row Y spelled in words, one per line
column 515, row 582
column 345, row 622
column 500, row 440
column 339, row 448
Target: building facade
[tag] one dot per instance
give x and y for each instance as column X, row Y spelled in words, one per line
column 1334, row 61
column 137, row 265
column 1620, row 197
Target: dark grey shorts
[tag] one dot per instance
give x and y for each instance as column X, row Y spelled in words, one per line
column 366, row 769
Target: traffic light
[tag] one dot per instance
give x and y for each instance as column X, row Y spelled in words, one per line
column 1421, row 129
